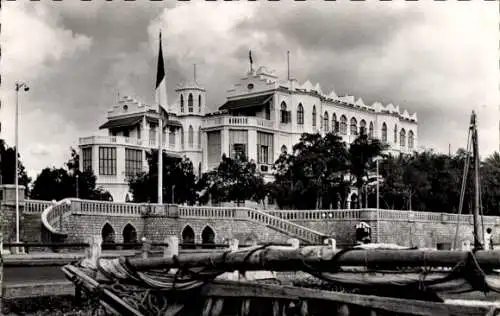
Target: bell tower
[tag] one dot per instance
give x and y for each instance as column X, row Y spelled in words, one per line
column 190, row 110
column 191, row 97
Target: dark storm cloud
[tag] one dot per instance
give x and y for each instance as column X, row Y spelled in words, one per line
column 331, row 27
column 425, row 58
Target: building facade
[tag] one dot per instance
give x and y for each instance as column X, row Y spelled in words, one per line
column 261, row 118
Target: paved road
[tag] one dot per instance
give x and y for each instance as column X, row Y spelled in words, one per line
column 43, row 267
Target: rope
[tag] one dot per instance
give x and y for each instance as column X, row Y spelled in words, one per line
column 462, row 190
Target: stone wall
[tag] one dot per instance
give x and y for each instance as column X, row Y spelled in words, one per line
column 226, row 229
column 8, row 211
column 405, row 228
column 156, row 222
column 32, row 228
column 82, row 226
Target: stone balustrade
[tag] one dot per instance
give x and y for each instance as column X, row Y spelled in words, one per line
column 53, row 216
column 381, row 214
column 208, row 212
column 35, row 206
column 238, row 121
column 290, row 222
column 109, row 208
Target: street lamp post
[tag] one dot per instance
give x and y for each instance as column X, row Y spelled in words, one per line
column 19, row 85
column 378, row 201
column 378, row 188
column 77, row 189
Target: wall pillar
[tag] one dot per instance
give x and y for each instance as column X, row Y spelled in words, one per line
column 224, row 142
column 8, row 211
column 252, row 145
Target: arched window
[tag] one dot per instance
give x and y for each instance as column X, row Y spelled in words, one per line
column 300, row 114
column 199, row 138
column 285, row 117
column 171, row 137
column 182, row 137
column 335, row 128
column 129, row 235
column 354, row 126
column 402, row 138
column 396, row 133
column 188, row 237
column 190, row 103
column 207, row 237
column 343, row 125
column 384, row 132
column 108, row 236
column 411, row 139
column 314, row 116
column 362, row 127
column 370, row 131
column 326, row 122
column 199, row 103
column 182, row 103
column 190, row 136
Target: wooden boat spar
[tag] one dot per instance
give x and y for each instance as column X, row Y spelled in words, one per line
column 363, row 280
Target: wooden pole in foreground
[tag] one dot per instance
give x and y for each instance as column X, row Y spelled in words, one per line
column 320, row 257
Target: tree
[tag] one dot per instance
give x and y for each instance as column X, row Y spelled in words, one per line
column 59, row 183
column 233, row 180
column 433, row 181
column 490, row 184
column 361, row 158
column 7, row 167
column 178, row 180
column 313, row 175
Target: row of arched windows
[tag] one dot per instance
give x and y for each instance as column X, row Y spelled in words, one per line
column 340, row 126
column 402, row 136
column 190, row 103
column 190, row 137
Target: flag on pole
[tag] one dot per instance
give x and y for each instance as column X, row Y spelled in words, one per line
column 161, row 87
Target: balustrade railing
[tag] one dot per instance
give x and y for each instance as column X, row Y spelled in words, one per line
column 288, row 227
column 35, row 206
column 120, row 140
column 108, row 208
column 206, row 212
column 373, row 214
column 238, row 121
column 54, row 215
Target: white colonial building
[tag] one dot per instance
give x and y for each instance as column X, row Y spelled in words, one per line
column 261, row 118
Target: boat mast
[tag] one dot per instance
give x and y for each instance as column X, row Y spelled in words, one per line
column 478, row 234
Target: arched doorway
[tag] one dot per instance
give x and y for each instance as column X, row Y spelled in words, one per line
column 188, row 237
column 129, row 236
column 108, row 236
column 208, row 237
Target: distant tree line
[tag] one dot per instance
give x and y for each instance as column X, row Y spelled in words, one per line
column 318, row 172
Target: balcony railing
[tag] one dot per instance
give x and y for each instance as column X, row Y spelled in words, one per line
column 120, row 140
column 237, row 121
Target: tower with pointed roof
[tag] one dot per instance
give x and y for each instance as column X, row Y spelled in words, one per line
column 190, row 110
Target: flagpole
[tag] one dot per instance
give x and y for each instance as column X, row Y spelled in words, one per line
column 160, row 140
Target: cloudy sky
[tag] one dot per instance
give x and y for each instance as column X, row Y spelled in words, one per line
column 440, row 59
